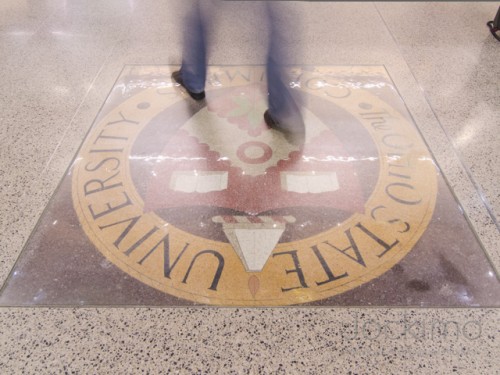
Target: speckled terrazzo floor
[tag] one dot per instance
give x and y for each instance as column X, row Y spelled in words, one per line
column 59, row 61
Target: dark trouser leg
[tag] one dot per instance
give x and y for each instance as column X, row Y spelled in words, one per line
column 282, row 105
column 280, row 100
column 194, row 60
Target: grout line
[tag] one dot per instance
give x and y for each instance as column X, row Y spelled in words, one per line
column 468, row 172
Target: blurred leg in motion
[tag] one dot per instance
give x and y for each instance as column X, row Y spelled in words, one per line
column 193, row 71
column 495, row 26
column 283, row 113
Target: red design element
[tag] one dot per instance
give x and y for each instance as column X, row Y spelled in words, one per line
column 267, row 152
column 240, row 107
column 254, row 219
column 253, row 285
column 229, row 219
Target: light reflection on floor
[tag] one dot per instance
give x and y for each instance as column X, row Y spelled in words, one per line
column 175, row 202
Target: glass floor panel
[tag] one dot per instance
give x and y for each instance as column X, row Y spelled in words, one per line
column 173, row 202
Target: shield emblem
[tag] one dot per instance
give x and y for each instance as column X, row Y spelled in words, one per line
column 226, row 159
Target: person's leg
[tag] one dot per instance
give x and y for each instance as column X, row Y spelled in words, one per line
column 283, row 112
column 193, row 72
column 280, row 100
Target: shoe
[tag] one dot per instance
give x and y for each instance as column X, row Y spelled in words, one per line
column 270, row 120
column 293, row 129
column 177, row 77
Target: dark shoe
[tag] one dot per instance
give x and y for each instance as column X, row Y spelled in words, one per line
column 293, row 129
column 270, row 120
column 177, row 77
